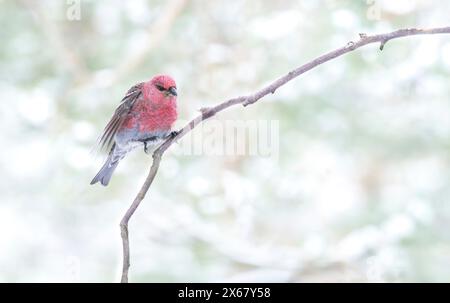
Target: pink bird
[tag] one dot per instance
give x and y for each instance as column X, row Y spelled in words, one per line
column 144, row 117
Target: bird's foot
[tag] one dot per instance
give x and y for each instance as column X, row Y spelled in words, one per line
column 173, row 134
column 145, row 142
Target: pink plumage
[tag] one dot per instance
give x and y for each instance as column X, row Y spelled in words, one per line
column 156, row 112
column 144, row 117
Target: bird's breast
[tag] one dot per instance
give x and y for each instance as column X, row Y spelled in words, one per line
column 148, row 117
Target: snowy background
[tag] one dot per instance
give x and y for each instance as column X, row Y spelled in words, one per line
column 359, row 191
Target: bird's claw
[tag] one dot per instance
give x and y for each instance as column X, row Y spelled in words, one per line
column 173, row 134
column 145, row 141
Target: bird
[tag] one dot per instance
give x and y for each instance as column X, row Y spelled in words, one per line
column 144, row 117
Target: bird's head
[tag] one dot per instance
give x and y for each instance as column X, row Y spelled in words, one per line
column 162, row 87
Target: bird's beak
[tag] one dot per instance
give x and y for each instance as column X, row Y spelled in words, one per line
column 173, row 91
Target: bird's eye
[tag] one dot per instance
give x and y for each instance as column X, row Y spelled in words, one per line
column 160, row 88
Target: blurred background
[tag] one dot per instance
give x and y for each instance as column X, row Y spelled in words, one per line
column 359, row 190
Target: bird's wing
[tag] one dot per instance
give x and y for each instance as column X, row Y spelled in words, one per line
column 124, row 108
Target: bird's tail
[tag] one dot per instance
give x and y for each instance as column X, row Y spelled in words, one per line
column 105, row 173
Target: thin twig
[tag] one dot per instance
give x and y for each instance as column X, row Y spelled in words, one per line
column 250, row 99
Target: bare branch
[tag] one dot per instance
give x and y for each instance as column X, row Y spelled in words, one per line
column 250, row 99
